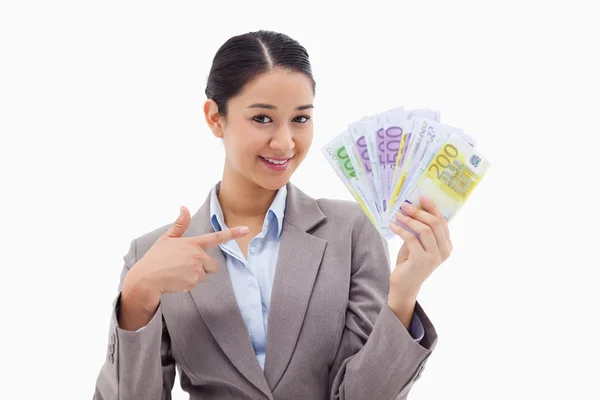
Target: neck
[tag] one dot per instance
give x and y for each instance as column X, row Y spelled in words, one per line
column 242, row 200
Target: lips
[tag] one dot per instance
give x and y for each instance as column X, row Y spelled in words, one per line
column 276, row 160
column 276, row 163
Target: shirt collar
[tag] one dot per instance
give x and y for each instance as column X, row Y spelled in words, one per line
column 276, row 211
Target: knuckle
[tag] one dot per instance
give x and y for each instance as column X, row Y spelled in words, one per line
column 202, row 276
column 427, row 231
column 413, row 238
column 432, row 259
column 191, row 281
column 219, row 236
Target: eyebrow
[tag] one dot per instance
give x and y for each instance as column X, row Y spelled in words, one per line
column 271, row 107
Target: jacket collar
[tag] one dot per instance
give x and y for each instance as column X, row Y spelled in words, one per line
column 298, row 263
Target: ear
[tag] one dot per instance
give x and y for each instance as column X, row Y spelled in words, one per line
column 213, row 119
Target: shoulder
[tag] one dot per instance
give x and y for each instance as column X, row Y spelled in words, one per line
column 345, row 216
column 348, row 227
column 336, row 210
column 142, row 243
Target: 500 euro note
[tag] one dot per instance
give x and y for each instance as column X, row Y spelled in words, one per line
column 361, row 175
column 448, row 179
column 359, row 131
column 372, row 129
column 390, row 135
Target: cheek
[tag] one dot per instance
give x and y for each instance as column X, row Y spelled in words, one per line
column 242, row 141
column 304, row 141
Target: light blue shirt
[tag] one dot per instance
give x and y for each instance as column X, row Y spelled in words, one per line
column 252, row 278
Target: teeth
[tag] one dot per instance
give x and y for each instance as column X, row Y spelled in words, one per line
column 275, row 161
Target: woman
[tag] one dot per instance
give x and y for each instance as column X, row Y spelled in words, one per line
column 265, row 292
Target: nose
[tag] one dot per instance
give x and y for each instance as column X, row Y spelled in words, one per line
column 283, row 140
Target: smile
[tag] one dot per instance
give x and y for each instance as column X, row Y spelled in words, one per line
column 277, row 164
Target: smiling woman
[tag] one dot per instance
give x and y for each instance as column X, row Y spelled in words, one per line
column 265, row 141
column 266, row 292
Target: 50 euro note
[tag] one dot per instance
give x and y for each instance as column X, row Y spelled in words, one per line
column 448, row 179
column 339, row 157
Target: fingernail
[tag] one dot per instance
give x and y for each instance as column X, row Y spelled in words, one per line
column 401, row 216
column 244, row 229
column 407, row 206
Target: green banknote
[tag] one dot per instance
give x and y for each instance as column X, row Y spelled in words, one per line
column 396, row 156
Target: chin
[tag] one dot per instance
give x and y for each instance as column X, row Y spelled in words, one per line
column 272, row 183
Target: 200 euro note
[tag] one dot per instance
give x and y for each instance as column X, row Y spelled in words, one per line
column 448, row 180
column 435, row 136
column 337, row 155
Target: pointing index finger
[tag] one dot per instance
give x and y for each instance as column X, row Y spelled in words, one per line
column 216, row 238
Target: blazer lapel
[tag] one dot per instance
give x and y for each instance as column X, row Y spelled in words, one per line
column 299, row 259
column 217, row 305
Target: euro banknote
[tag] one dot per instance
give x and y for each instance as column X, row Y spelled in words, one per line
column 447, row 178
column 395, row 156
column 338, row 155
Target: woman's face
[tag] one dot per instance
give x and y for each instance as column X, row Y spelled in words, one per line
column 268, row 130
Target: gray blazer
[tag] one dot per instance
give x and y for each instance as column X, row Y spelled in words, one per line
column 331, row 334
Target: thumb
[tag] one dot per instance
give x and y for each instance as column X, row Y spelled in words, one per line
column 180, row 225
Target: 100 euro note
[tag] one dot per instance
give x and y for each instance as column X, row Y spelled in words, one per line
column 337, row 155
column 448, row 180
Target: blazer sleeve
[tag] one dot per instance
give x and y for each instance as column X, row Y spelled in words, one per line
column 138, row 365
column 377, row 358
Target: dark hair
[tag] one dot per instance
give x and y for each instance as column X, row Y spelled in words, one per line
column 243, row 57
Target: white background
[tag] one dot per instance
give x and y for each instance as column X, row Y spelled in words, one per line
column 103, row 138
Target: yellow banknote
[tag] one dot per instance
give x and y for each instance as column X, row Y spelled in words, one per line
column 448, row 179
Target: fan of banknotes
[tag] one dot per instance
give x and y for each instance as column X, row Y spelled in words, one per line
column 398, row 155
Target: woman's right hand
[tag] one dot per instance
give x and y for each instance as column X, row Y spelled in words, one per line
column 175, row 263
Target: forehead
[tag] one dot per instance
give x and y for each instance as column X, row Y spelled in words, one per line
column 280, row 88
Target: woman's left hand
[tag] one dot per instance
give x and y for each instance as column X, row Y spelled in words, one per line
column 418, row 257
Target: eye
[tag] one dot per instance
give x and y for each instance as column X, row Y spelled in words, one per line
column 262, row 119
column 304, row 119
